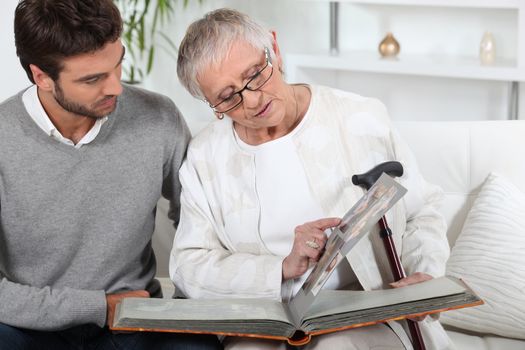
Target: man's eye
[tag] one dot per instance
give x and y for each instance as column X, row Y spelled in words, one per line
column 92, row 80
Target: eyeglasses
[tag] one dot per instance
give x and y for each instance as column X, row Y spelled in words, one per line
column 256, row 82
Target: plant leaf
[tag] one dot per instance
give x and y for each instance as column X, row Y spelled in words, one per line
column 140, row 31
column 150, row 59
column 141, row 35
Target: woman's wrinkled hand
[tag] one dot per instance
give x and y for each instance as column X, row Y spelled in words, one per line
column 308, row 246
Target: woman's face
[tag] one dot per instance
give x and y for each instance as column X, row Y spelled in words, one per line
column 263, row 108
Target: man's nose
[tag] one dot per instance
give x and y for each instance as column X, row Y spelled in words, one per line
column 113, row 86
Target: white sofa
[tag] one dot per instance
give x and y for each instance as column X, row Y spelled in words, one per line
column 458, row 156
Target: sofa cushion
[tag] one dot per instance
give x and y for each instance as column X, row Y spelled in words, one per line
column 466, row 341
column 490, row 256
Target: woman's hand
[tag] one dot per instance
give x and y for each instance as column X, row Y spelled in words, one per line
column 308, row 245
column 417, row 277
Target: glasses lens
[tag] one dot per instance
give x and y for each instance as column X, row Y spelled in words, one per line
column 229, row 103
column 260, row 78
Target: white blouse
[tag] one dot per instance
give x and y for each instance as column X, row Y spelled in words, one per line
column 286, row 201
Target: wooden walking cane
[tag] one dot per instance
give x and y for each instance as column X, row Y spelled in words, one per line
column 366, row 180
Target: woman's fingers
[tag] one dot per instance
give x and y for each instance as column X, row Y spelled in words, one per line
column 325, row 223
column 312, row 235
column 308, row 246
column 417, row 277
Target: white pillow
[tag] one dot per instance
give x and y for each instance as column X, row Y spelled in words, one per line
column 490, row 256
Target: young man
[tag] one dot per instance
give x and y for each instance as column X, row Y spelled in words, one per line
column 83, row 163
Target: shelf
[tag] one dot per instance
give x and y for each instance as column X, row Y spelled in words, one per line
column 495, row 4
column 424, row 65
column 420, row 65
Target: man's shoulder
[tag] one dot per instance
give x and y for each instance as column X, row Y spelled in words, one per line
column 10, row 109
column 149, row 108
column 139, row 99
column 12, row 103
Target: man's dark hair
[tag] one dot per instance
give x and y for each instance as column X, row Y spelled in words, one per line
column 46, row 31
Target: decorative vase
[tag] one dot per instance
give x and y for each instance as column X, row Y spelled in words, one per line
column 487, row 49
column 389, row 47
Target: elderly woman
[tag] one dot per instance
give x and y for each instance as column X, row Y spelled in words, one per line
column 274, row 172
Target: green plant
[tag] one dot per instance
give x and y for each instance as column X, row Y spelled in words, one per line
column 142, row 34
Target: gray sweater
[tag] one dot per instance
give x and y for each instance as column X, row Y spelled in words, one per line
column 76, row 224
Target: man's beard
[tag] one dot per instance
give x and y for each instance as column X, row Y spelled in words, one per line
column 78, row 109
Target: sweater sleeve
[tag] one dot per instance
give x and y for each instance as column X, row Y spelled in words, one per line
column 425, row 247
column 177, row 138
column 201, row 265
column 49, row 309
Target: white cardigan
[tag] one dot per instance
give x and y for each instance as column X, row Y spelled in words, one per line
column 218, row 252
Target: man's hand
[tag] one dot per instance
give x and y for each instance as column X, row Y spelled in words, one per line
column 417, row 277
column 308, row 245
column 113, row 299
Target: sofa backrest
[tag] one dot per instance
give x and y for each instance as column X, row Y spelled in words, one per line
column 458, row 156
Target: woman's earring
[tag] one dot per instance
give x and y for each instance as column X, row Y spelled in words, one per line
column 219, row 116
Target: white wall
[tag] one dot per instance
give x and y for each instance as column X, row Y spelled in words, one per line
column 303, row 26
column 13, row 77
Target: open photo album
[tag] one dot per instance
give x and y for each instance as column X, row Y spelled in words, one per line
column 313, row 310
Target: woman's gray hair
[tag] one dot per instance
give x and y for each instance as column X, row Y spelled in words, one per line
column 209, row 39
